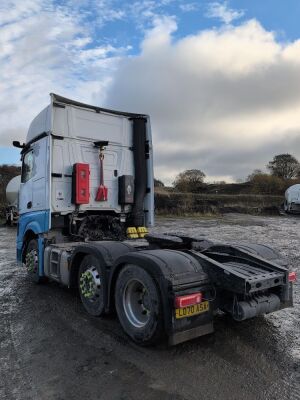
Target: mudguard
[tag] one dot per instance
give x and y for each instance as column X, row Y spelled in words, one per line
column 263, row 251
column 173, row 271
column 36, row 222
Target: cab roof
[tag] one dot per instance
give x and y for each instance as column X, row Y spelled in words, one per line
column 42, row 123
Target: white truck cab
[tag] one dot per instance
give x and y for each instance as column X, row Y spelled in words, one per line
column 64, row 142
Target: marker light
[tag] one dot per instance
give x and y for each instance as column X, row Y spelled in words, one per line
column 292, row 277
column 188, row 300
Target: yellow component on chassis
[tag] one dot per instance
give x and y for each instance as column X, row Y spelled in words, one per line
column 132, row 233
column 142, row 231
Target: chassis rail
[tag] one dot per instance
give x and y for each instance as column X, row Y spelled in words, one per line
column 241, row 273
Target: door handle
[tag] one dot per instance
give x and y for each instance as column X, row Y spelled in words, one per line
column 29, row 204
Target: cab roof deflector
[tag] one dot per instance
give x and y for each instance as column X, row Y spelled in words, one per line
column 63, row 100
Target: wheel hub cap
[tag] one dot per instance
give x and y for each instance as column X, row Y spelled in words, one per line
column 136, row 302
column 32, row 261
column 90, row 284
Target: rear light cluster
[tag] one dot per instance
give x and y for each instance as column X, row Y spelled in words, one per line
column 292, row 277
column 188, row 300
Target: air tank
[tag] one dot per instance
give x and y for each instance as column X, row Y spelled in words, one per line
column 293, row 193
column 12, row 190
column 292, row 199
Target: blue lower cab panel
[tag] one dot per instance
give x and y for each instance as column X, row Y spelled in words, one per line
column 38, row 223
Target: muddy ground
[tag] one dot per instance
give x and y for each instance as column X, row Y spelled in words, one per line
column 50, row 349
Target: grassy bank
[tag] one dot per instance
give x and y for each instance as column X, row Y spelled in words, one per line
column 185, row 204
column 193, row 205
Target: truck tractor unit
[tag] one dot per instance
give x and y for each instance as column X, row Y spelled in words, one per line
column 86, row 202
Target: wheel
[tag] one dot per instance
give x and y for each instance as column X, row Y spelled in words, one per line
column 32, row 261
column 138, row 305
column 90, row 283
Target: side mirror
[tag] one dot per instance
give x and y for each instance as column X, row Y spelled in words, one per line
column 18, row 144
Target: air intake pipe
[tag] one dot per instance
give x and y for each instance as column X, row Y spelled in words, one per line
column 140, row 167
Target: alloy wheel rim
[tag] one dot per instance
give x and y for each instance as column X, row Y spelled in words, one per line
column 31, row 261
column 90, row 284
column 136, row 303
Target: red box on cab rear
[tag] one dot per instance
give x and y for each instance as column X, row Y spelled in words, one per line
column 81, row 175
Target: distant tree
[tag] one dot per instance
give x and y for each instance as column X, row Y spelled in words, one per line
column 284, row 166
column 190, row 180
column 254, row 174
column 267, row 184
column 158, row 183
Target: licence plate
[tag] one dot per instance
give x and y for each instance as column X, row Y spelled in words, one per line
column 189, row 311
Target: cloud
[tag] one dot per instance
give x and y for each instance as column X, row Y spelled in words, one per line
column 100, row 12
column 188, row 7
column 223, row 12
column 223, row 100
column 47, row 48
column 51, row 46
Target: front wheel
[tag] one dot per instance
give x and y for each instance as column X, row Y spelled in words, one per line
column 138, row 305
column 32, row 261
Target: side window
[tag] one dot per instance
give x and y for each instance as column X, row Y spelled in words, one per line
column 27, row 166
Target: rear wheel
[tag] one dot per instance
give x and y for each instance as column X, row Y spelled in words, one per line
column 32, row 261
column 138, row 305
column 90, row 283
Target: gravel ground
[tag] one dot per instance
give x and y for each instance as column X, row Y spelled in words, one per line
column 50, row 349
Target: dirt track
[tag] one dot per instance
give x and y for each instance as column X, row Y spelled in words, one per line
column 50, row 349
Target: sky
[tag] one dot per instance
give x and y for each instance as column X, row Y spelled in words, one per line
column 219, row 79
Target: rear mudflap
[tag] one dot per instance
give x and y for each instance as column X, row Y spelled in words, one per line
column 190, row 327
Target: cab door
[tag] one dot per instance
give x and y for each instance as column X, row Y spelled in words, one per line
column 34, row 191
column 25, row 194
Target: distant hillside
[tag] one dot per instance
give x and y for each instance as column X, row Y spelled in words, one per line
column 227, row 188
column 184, row 204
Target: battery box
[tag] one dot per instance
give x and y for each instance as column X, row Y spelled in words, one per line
column 126, row 189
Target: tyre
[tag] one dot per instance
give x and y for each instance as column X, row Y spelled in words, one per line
column 32, row 261
column 90, row 283
column 138, row 305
